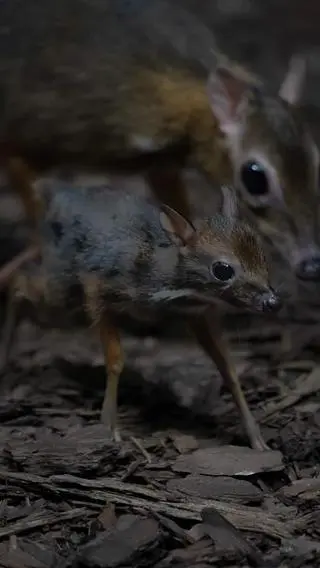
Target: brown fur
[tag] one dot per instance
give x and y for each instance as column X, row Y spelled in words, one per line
column 110, row 84
column 283, row 136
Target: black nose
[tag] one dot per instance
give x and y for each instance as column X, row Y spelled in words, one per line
column 309, row 269
column 271, row 302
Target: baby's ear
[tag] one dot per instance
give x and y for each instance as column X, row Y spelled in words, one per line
column 177, row 227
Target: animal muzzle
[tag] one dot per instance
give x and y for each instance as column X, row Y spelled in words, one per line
column 308, row 269
column 270, row 302
column 266, row 301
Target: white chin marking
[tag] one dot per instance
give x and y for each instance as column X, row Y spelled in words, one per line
column 144, row 144
column 167, row 295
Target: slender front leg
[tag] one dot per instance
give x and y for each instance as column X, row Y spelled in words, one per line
column 209, row 335
column 26, row 285
column 7, row 272
column 21, row 177
column 10, row 325
column 114, row 362
column 167, row 186
column 31, row 253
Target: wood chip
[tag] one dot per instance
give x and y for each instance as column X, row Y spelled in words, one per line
column 306, row 489
column 299, row 546
column 229, row 460
column 226, row 488
column 107, row 518
column 226, row 536
column 80, row 452
column 41, row 519
column 121, row 547
column 305, row 386
column 19, row 559
column 190, row 555
column 184, row 443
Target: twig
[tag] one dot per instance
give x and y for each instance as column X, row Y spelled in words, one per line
column 141, row 448
column 108, row 483
column 66, row 412
column 244, row 518
column 176, row 530
column 40, row 520
column 305, row 387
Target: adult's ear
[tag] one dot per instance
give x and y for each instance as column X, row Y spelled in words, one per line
column 294, row 80
column 226, row 92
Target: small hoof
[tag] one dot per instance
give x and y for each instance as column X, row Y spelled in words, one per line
column 259, row 444
column 116, row 436
column 113, row 434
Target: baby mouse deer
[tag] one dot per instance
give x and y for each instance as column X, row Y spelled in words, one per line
column 104, row 252
column 104, row 83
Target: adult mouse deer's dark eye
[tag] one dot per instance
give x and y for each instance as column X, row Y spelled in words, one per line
column 254, row 178
column 222, row 271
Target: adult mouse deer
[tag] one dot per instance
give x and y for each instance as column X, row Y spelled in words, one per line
column 93, row 83
column 104, row 252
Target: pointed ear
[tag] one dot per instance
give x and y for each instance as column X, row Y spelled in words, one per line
column 178, row 228
column 229, row 203
column 226, row 92
column 293, row 83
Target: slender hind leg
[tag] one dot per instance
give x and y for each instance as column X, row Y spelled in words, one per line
column 113, row 356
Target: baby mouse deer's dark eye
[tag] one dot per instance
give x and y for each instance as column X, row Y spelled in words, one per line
column 254, row 178
column 222, row 271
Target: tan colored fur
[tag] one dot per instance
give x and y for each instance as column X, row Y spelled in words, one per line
column 121, row 80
